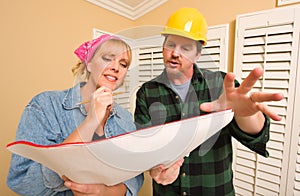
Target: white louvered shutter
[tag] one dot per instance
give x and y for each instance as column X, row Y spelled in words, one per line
column 150, row 59
column 270, row 39
column 148, row 63
column 214, row 55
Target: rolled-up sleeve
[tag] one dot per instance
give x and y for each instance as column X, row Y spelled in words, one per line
column 257, row 142
column 134, row 185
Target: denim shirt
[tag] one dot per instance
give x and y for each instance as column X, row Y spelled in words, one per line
column 48, row 119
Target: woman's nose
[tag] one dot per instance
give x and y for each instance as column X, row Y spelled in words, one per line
column 114, row 65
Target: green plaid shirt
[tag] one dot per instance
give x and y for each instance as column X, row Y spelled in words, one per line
column 208, row 168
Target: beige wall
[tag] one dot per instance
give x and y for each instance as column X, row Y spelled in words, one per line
column 38, row 38
column 37, row 43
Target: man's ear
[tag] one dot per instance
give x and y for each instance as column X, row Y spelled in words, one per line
column 198, row 56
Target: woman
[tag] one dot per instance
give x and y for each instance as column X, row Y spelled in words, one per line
column 56, row 117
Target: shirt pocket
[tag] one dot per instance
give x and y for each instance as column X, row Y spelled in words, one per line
column 55, row 138
column 118, row 125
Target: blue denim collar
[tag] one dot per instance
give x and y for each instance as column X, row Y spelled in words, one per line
column 73, row 98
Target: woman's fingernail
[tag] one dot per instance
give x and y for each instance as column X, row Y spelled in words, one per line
column 68, row 184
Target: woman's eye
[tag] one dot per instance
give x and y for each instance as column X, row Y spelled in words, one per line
column 125, row 65
column 107, row 59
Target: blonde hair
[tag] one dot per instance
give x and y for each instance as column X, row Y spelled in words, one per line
column 80, row 71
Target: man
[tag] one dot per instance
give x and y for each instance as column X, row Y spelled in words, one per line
column 180, row 92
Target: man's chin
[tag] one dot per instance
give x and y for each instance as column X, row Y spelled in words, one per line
column 172, row 68
column 174, row 71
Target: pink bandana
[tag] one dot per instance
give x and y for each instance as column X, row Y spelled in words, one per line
column 86, row 51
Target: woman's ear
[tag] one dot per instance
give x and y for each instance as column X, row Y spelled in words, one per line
column 88, row 67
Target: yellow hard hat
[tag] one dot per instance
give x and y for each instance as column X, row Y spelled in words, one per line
column 187, row 22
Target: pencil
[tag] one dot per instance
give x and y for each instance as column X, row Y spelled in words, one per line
column 87, row 101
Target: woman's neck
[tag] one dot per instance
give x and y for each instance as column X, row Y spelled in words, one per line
column 87, row 90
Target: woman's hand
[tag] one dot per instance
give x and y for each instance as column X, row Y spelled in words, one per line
column 94, row 189
column 98, row 110
column 166, row 176
column 100, row 104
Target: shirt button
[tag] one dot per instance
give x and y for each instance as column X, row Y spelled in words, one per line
column 183, row 174
column 184, row 193
column 183, row 114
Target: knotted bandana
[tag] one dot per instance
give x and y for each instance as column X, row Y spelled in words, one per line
column 86, row 51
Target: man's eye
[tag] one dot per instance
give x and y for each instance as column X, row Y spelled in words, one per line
column 186, row 49
column 170, row 45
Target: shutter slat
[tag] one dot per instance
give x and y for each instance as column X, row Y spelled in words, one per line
column 245, row 177
column 263, row 191
column 209, row 58
column 271, row 187
column 243, row 184
column 242, row 192
column 283, row 28
column 277, row 128
column 245, row 170
column 275, row 145
column 271, row 178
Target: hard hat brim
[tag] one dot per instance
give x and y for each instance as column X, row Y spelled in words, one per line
column 172, row 31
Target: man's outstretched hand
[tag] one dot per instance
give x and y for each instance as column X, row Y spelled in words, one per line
column 241, row 100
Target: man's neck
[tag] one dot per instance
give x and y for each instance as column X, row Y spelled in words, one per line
column 179, row 78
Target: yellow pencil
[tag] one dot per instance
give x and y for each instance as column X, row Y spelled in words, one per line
column 113, row 94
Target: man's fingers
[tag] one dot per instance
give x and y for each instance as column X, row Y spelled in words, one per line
column 250, row 80
column 263, row 96
column 180, row 162
column 213, row 106
column 154, row 172
column 267, row 111
column 164, row 175
column 229, row 82
column 207, row 107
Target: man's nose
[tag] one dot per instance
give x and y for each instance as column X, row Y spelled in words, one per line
column 176, row 52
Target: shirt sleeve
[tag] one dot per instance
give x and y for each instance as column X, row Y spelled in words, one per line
column 25, row 176
column 142, row 117
column 134, row 185
column 256, row 143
